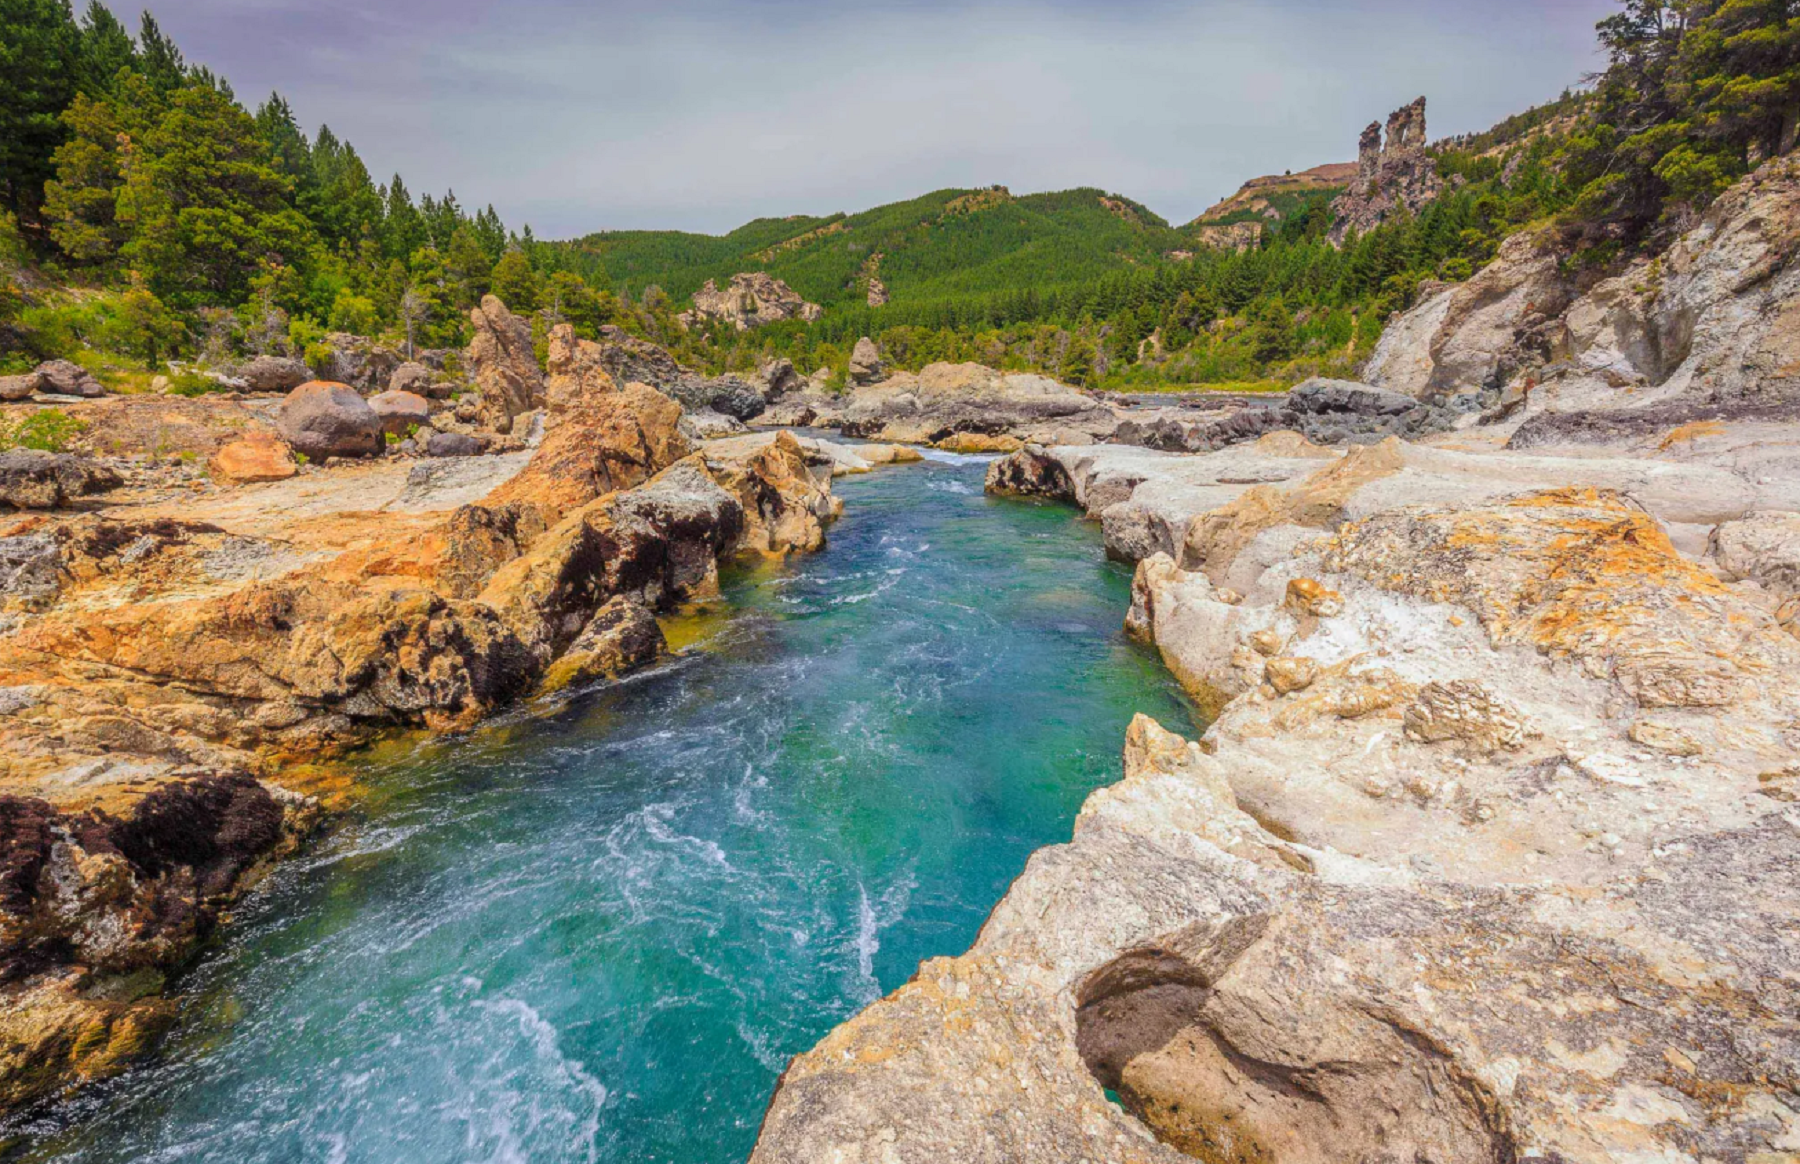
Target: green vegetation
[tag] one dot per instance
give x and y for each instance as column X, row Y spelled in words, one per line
column 48, row 430
column 185, row 224
column 191, row 226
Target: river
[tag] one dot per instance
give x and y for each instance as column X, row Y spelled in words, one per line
column 597, row 932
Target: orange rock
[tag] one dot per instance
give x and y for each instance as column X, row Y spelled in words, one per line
column 260, row 456
column 1310, row 596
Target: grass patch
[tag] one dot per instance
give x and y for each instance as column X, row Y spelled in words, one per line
column 49, row 430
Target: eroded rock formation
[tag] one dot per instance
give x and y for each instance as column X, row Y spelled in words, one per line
column 96, row 905
column 500, row 359
column 946, row 400
column 1392, row 176
column 632, row 360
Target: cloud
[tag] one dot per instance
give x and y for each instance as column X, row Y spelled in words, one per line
column 701, row 114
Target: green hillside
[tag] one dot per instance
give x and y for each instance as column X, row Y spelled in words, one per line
column 950, row 244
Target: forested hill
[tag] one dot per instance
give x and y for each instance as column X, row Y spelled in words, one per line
column 147, row 214
column 949, row 244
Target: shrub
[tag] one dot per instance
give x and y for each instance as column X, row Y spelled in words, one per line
column 194, row 384
column 48, row 430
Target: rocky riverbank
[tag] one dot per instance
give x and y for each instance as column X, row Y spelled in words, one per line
column 183, row 655
column 1490, row 852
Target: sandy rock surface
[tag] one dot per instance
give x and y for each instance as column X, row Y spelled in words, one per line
column 1489, row 853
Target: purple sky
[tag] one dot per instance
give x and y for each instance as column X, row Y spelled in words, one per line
column 701, row 114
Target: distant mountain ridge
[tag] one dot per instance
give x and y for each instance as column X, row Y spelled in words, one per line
column 946, row 244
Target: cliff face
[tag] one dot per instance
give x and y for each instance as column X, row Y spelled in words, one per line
column 1688, row 353
column 1391, row 176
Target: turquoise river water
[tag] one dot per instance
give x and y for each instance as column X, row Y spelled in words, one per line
column 598, row 933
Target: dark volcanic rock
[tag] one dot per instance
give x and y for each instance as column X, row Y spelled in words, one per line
column 629, row 360
column 30, row 479
column 1204, row 432
column 1030, row 473
column 1609, row 426
column 622, row 636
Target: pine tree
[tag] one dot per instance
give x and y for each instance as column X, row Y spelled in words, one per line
column 106, row 48
column 39, row 54
column 467, row 267
column 402, row 227
column 515, row 282
column 158, row 59
column 203, row 205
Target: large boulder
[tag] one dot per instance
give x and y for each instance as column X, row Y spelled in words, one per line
column 321, row 419
column 413, row 377
column 706, row 425
column 274, row 374
column 780, row 377
column 401, row 412
column 728, row 395
column 500, row 358
column 259, row 456
column 68, row 379
column 622, row 636
column 455, row 444
column 30, row 479
column 16, row 388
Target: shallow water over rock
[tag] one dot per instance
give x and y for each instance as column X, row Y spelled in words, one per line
column 598, row 933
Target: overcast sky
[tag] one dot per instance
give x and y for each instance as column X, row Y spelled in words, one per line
column 704, row 114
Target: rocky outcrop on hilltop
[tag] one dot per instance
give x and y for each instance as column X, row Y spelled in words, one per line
column 752, row 300
column 1392, row 176
column 1488, row 854
column 1237, row 237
